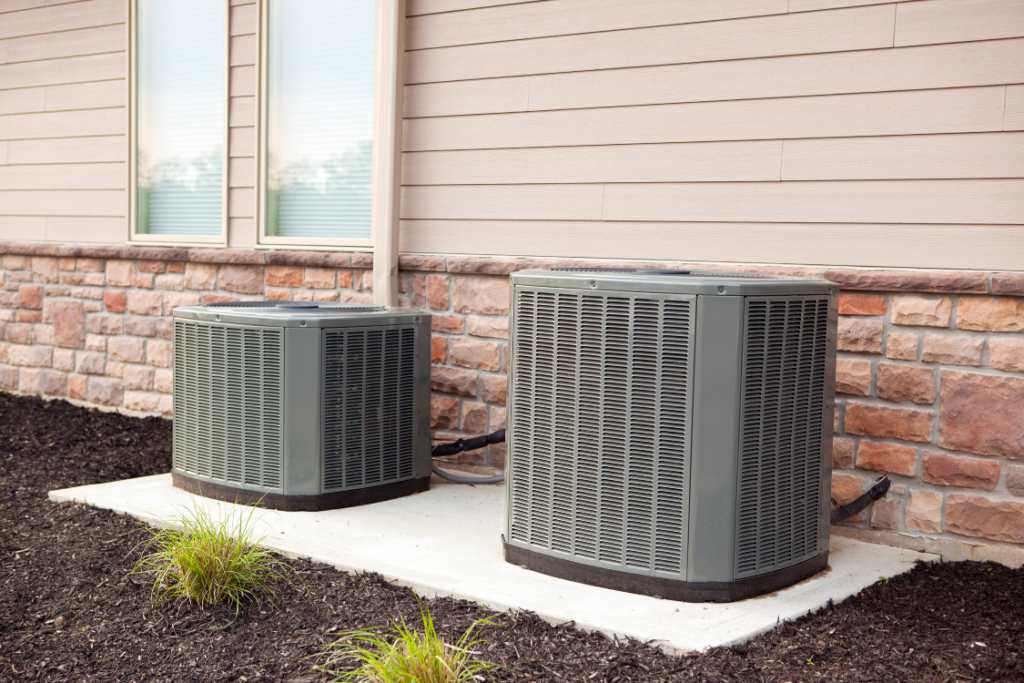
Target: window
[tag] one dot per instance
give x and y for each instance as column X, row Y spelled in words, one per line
column 317, row 122
column 178, row 122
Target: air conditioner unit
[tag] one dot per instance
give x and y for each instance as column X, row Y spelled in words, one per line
column 670, row 432
column 301, row 406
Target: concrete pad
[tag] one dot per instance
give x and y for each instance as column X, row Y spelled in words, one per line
column 447, row 542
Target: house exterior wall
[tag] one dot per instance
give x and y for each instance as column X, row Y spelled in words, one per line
column 879, row 145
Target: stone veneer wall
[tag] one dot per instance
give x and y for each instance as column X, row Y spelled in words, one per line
column 930, row 376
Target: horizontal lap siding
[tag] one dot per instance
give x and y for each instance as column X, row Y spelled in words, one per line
column 63, row 161
column 242, row 125
column 838, row 132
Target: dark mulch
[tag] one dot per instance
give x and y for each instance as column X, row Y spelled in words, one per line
column 71, row 611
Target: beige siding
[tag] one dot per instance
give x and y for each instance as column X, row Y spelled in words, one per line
column 242, row 125
column 842, row 132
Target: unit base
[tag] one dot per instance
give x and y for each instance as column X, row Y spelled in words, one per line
column 278, row 501
column 668, row 589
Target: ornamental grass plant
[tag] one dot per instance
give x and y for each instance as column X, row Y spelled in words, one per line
column 211, row 560
column 400, row 654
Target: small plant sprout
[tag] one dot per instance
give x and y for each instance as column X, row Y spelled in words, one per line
column 400, row 654
column 212, row 560
column 883, row 580
column 809, row 661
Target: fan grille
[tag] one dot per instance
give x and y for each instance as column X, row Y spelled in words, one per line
column 228, row 403
column 601, row 389
column 780, row 501
column 368, row 407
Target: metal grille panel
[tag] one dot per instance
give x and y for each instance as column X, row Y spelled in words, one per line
column 228, row 403
column 780, row 501
column 601, row 391
column 368, row 407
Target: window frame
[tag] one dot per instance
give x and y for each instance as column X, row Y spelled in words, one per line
column 135, row 237
column 385, row 187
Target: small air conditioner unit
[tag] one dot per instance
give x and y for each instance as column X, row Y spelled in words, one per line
column 301, row 406
column 670, row 432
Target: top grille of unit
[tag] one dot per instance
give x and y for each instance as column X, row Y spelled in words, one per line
column 298, row 306
column 658, row 271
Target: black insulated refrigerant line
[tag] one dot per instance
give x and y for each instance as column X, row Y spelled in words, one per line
column 467, row 445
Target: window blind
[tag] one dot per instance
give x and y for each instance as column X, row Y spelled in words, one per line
column 180, row 117
column 320, row 65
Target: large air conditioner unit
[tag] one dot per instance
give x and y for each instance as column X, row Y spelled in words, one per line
column 301, row 406
column 670, row 432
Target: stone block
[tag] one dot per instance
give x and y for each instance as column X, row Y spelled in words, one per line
column 438, row 287
column 449, row 324
column 846, row 488
column 174, row 299
column 952, row 350
column 92, row 306
column 418, row 299
column 1006, row 354
column 77, row 387
column 142, row 281
column 140, row 327
column 860, row 336
column 30, row 356
column 1010, row 284
column 91, row 364
column 44, row 269
column 494, row 265
column 886, row 457
column 164, row 328
column 141, row 402
column 30, row 381
column 8, row 299
column 91, row 293
column 284, row 276
column 242, row 279
column 54, row 383
column 138, row 377
column 12, row 262
column 470, row 353
column 901, row 346
column 63, row 360
column 279, row 295
column 498, row 419
column 115, row 301
column 438, row 349
column 120, row 273
column 31, row 297
column 444, row 412
column 163, row 381
column 307, row 295
column 411, row 262
column 126, row 349
column 345, row 279
column 105, row 391
column 852, row 376
column 951, row 281
column 486, row 295
column 231, row 256
column 982, row 414
column 945, row 470
column 90, row 265
column 44, row 335
column 19, row 334
column 200, row 276
column 166, row 406
column 921, row 311
column 885, row 513
column 453, row 381
column 481, row 326
column 30, row 317
column 888, row 423
column 104, row 324
column 842, row 453
column 924, row 512
column 905, row 383
column 863, row 304
column 83, row 279
column 494, row 389
column 990, row 314
column 319, row 278
column 8, row 378
column 170, row 282
column 356, row 298
column 1015, row 480
column 158, row 354
column 324, row 295
column 155, row 267
column 145, row 303
column 115, row 370
column 474, row 418
column 983, row 518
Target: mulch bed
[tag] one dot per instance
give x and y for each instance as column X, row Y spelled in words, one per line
column 71, row 611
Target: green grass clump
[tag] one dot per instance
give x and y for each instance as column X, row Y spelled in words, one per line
column 399, row 654
column 210, row 561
